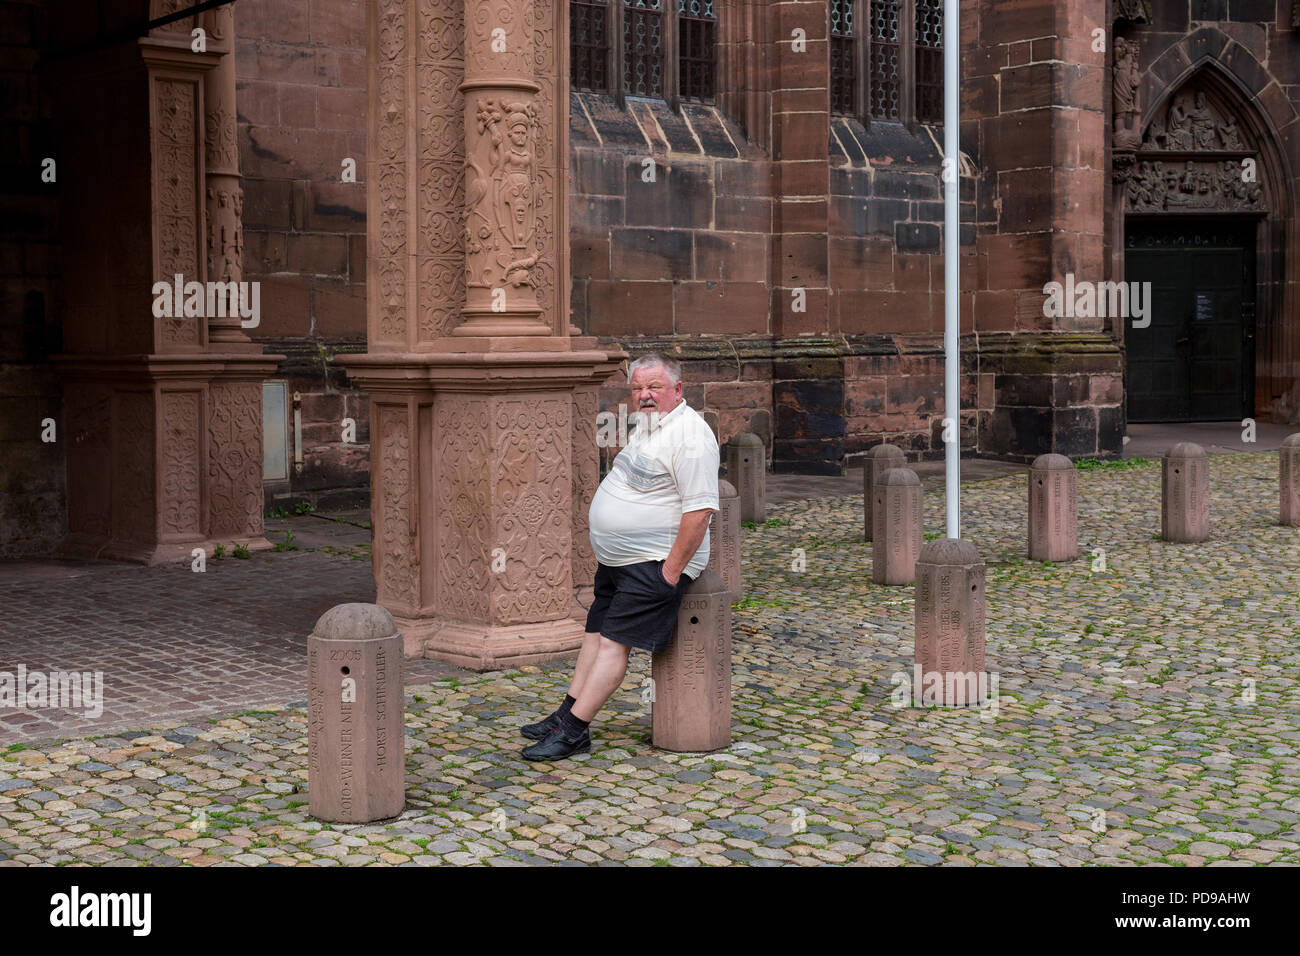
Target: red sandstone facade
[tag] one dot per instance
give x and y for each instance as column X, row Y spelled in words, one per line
column 1076, row 161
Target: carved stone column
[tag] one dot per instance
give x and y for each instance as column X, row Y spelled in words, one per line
column 224, row 193
column 483, row 407
column 162, row 418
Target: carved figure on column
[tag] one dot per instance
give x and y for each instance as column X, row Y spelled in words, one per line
column 1124, row 95
column 501, row 206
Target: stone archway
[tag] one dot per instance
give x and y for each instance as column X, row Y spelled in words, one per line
column 1196, row 159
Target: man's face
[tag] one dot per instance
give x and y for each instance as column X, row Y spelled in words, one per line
column 653, row 390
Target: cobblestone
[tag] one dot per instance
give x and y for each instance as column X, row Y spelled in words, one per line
column 1145, row 713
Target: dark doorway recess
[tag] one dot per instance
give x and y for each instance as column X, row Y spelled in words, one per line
column 1196, row 360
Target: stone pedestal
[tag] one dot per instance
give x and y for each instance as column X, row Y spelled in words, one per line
column 1289, row 483
column 747, row 470
column 483, row 402
column 724, row 539
column 1185, row 494
column 1053, row 509
column 879, row 460
column 692, row 679
column 356, row 716
column 949, row 653
column 896, row 515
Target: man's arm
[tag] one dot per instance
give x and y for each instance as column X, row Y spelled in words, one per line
column 690, row 535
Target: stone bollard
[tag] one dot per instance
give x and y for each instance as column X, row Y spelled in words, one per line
column 896, row 515
column 747, row 470
column 879, row 460
column 949, row 657
column 356, row 716
column 724, row 539
column 691, row 711
column 1053, row 509
column 1185, row 494
column 1289, row 465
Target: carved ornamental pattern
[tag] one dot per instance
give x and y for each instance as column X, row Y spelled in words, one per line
column 501, row 201
column 235, row 462
column 531, row 478
column 389, row 101
column 176, row 197
column 396, row 560
column 1135, row 11
column 1193, row 158
column 586, row 478
column 461, row 430
column 181, row 478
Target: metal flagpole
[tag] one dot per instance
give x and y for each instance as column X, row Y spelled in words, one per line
column 951, row 265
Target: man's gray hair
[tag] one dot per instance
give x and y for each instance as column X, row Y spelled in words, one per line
column 655, row 360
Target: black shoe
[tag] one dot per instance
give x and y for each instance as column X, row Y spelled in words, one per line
column 540, row 729
column 556, row 746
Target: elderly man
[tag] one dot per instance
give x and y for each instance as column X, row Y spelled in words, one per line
column 649, row 526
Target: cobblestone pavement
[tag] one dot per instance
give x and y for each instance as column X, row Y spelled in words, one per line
column 1146, row 713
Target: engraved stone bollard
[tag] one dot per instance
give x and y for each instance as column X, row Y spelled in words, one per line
column 747, row 470
column 1053, row 509
column 1289, row 467
column 724, row 539
column 879, row 460
column 356, row 716
column 692, row 679
column 1185, row 494
column 949, row 656
column 896, row 516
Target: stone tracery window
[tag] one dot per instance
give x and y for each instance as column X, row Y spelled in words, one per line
column 886, row 60
column 660, row 49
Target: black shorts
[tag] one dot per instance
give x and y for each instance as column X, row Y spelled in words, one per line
column 635, row 606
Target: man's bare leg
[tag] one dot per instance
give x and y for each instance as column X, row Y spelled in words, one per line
column 586, row 660
column 605, row 677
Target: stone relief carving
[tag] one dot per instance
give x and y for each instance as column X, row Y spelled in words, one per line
column 531, row 475
column 235, row 462
column 1191, row 123
column 395, row 453
column 499, row 41
column 1210, row 185
column 1137, row 11
column 586, row 476
column 464, row 506
column 176, row 196
column 500, row 196
column 225, row 234
column 180, row 466
column 1124, row 95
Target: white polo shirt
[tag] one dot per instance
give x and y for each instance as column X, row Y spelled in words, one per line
column 667, row 468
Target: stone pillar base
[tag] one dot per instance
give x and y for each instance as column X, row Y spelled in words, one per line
column 480, row 647
column 94, row 547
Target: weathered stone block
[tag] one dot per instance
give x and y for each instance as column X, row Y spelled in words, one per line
column 950, row 620
column 879, row 460
column 747, row 470
column 692, row 679
column 356, row 727
column 724, row 538
column 1053, row 509
column 1185, row 494
column 896, row 527
column 1289, row 467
